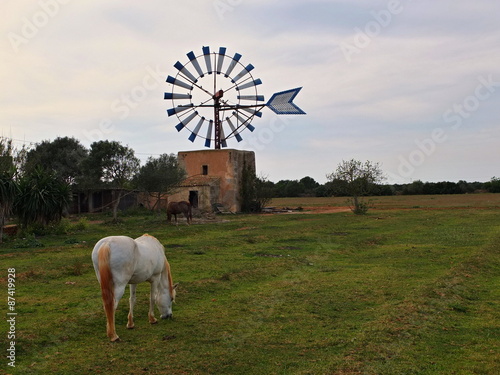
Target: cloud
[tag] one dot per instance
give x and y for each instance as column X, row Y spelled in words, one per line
column 85, row 70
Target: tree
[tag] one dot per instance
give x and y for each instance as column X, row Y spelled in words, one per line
column 310, row 186
column 8, row 193
column 6, row 155
column 415, row 188
column 63, row 156
column 8, row 187
column 289, row 188
column 337, row 187
column 112, row 165
column 359, row 178
column 255, row 192
column 159, row 176
column 493, row 186
column 264, row 190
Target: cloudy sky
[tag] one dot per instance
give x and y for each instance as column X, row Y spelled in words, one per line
column 413, row 85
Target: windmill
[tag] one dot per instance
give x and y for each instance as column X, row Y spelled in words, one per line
column 214, row 96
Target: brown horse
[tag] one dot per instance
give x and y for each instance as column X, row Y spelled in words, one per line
column 175, row 208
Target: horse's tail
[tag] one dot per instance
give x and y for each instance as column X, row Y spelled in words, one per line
column 107, row 285
column 171, row 286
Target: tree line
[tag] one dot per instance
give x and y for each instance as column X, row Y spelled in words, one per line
column 37, row 184
column 308, row 187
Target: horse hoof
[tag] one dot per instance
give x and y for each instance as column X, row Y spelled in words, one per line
column 115, row 339
column 130, row 327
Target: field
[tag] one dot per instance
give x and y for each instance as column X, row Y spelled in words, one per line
column 413, row 287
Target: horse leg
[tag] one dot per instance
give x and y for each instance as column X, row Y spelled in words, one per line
column 152, row 296
column 110, row 326
column 132, row 300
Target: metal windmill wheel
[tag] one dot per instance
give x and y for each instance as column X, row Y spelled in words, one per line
column 215, row 97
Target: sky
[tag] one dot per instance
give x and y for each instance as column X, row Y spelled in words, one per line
column 411, row 85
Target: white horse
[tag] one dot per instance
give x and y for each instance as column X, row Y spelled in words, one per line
column 121, row 260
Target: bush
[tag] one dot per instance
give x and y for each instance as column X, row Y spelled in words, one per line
column 42, row 199
column 65, row 226
column 27, row 242
column 61, row 227
column 361, row 208
column 81, row 225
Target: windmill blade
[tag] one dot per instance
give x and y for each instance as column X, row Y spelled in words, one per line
column 194, row 133
column 179, row 83
column 208, row 61
column 171, row 95
column 181, row 68
column 281, row 103
column 220, row 59
column 209, row 133
column 231, row 66
column 223, row 142
column 258, row 98
column 244, row 122
column 249, row 84
column 173, row 111
column 195, row 63
column 247, row 69
column 233, row 130
column 186, row 121
column 252, row 111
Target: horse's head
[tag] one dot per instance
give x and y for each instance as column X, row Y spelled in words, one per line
column 164, row 300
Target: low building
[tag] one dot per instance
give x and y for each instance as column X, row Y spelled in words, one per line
column 100, row 200
column 214, row 178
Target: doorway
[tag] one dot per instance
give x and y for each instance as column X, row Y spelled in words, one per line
column 193, row 198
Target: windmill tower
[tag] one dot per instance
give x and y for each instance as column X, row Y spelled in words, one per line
column 214, row 96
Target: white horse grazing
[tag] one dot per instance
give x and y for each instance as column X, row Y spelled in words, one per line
column 121, row 260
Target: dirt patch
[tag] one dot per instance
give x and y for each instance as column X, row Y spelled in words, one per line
column 325, row 210
column 306, row 210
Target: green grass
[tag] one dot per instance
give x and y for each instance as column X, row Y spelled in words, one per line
column 401, row 290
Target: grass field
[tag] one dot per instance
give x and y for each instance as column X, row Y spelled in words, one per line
column 411, row 288
column 400, row 201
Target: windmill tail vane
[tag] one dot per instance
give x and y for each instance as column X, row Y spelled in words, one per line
column 214, row 84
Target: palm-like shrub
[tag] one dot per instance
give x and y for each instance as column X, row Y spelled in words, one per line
column 42, row 198
column 8, row 192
